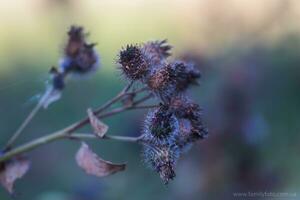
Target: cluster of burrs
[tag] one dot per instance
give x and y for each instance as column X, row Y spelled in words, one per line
column 170, row 129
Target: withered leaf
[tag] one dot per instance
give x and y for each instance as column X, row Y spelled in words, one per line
column 11, row 171
column 99, row 127
column 94, row 165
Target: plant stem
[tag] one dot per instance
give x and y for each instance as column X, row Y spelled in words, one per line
column 65, row 133
column 46, row 95
column 32, row 145
column 57, row 136
column 110, row 137
column 27, row 120
column 85, row 121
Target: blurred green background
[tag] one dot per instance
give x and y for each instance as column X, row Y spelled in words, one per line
column 247, row 50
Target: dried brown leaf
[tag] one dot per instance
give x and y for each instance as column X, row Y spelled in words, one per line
column 94, row 165
column 99, row 127
column 13, row 170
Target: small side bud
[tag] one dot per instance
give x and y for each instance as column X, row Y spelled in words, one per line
column 58, row 82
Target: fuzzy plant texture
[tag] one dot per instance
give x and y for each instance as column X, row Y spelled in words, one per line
column 170, row 129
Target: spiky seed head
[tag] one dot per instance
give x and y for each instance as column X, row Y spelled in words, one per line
column 184, row 74
column 157, row 51
column 159, row 79
column 161, row 126
column 162, row 159
column 190, row 120
column 133, row 63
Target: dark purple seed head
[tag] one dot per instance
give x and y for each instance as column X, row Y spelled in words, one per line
column 159, row 79
column 75, row 41
column 133, row 63
column 80, row 57
column 87, row 60
column 191, row 123
column 184, row 74
column 156, row 51
column 161, row 126
column 162, row 159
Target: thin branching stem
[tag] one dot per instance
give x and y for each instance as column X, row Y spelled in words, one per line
column 27, row 120
column 68, row 131
column 82, row 136
column 97, row 112
column 46, row 95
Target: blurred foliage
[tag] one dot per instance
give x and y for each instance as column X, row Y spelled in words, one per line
column 247, row 50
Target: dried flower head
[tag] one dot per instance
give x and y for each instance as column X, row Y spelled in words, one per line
column 191, row 123
column 184, row 74
column 79, row 57
column 162, row 159
column 133, row 62
column 157, row 51
column 161, row 126
column 75, row 41
column 161, row 83
column 159, row 79
column 172, row 78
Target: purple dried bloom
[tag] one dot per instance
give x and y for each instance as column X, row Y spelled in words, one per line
column 162, row 159
column 161, row 126
column 75, row 42
column 156, row 51
column 79, row 56
column 184, row 74
column 138, row 62
column 186, row 110
column 133, row 62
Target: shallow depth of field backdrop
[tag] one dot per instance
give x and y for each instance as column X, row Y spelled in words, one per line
column 249, row 54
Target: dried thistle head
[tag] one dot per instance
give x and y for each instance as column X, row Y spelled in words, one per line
column 159, row 79
column 75, row 41
column 191, row 123
column 79, row 57
column 170, row 79
column 87, row 60
column 156, row 51
column 162, row 159
column 160, row 150
column 184, row 74
column 162, row 84
column 133, row 63
column 160, row 126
